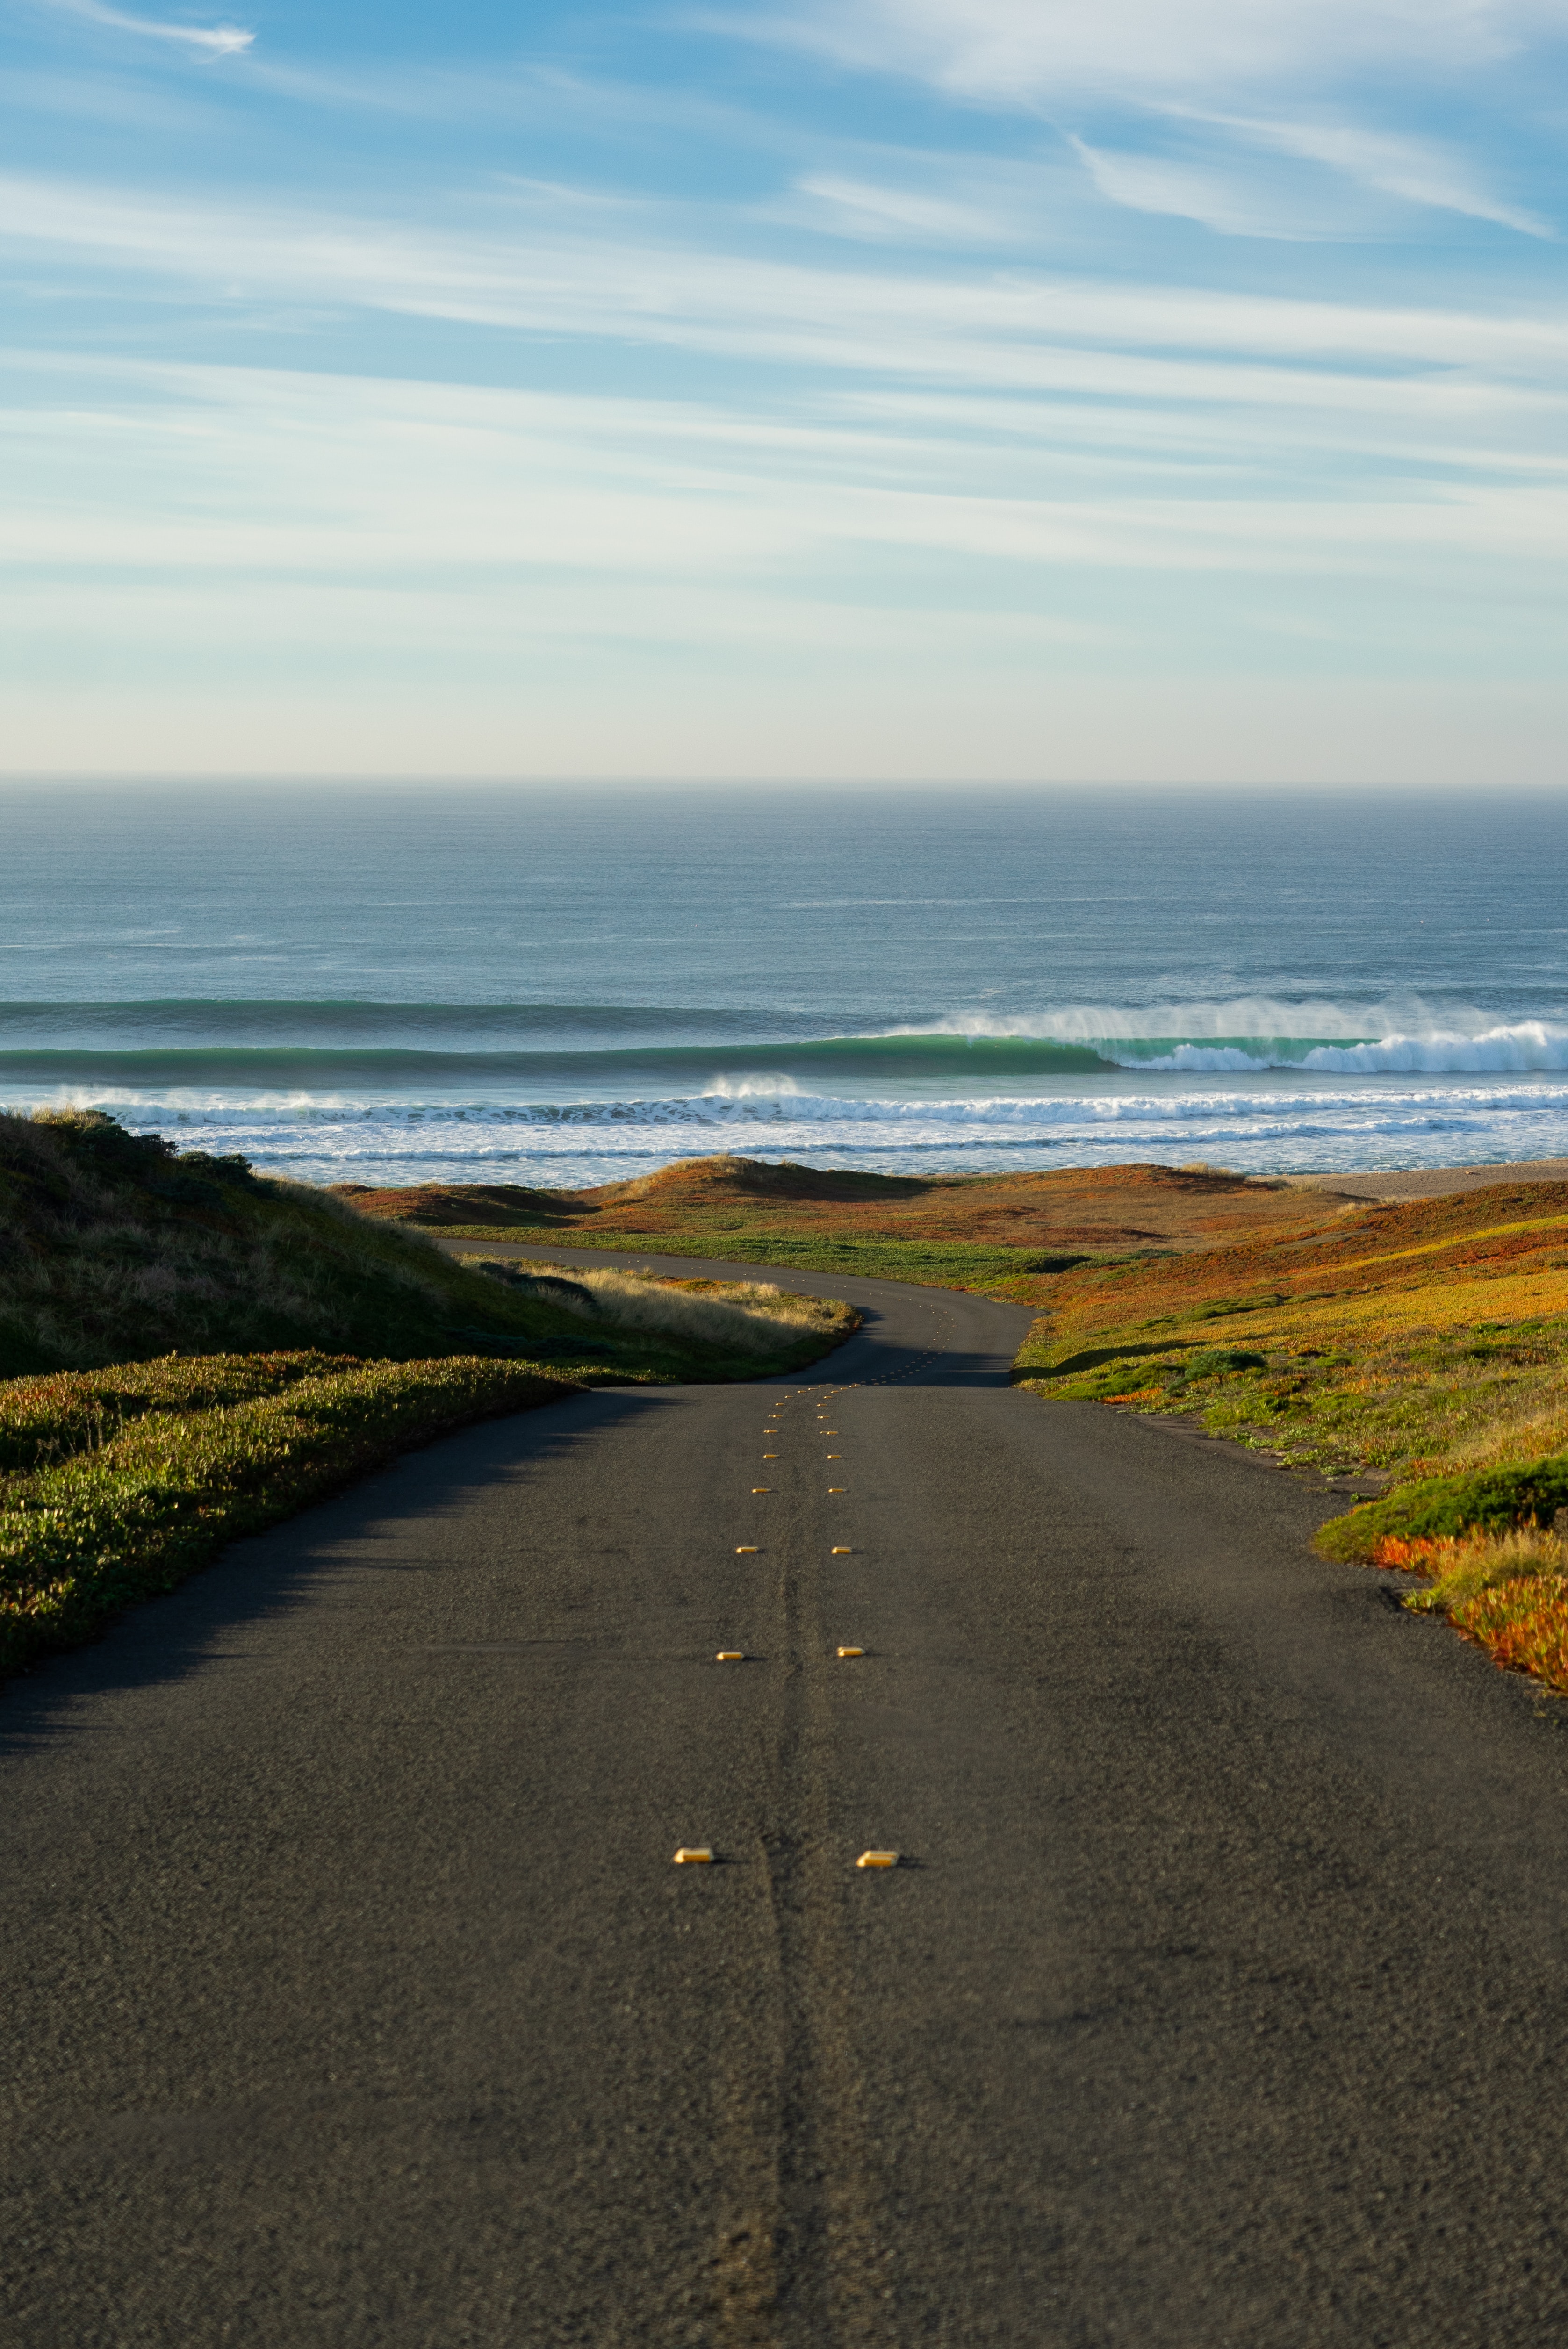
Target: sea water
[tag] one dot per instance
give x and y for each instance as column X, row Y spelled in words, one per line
column 574, row 984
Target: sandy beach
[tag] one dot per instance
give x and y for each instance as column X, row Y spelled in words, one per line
column 1433, row 1182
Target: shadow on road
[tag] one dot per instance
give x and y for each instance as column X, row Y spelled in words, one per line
column 271, row 1574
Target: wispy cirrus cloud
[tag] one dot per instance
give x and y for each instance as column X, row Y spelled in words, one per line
column 1236, row 73
column 1019, row 49
column 1415, row 170
column 206, row 41
column 1249, row 177
column 518, row 267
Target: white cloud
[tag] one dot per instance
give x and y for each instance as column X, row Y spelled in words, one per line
column 1415, row 170
column 1231, row 203
column 1003, row 329
column 874, row 213
column 1233, row 69
column 208, row 40
column 1017, row 50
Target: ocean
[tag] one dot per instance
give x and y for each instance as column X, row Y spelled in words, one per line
column 577, row 984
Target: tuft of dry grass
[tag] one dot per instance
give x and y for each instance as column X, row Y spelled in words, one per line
column 733, row 1317
column 1522, row 1625
column 1462, row 1566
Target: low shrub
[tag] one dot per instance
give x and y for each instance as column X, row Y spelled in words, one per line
column 1439, row 1507
column 54, row 1416
column 1522, row 1625
column 121, row 1521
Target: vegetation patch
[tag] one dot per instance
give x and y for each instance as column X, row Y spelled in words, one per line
column 114, row 1249
column 1507, row 1592
column 1006, row 1234
column 1426, row 1343
column 218, row 1451
column 1444, row 1508
column 939, row 1264
column 1419, row 1340
column 734, row 1320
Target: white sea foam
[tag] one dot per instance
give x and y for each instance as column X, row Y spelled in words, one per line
column 1268, row 1124
column 1308, row 1019
column 1251, row 1033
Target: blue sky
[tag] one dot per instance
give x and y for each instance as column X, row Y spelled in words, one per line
column 907, row 388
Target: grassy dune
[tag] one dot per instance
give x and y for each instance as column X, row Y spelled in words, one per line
column 1004, row 1235
column 1420, row 1339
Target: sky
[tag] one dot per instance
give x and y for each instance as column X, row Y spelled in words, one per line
column 892, row 390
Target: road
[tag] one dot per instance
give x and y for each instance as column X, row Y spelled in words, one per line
column 352, row 2000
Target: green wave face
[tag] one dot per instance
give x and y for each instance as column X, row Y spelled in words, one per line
column 317, row 1068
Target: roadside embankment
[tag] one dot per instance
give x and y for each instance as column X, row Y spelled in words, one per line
column 1422, row 1344
column 195, row 1352
column 134, row 1484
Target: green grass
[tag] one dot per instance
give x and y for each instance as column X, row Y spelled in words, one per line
column 1439, row 1508
column 210, row 1455
column 934, row 1263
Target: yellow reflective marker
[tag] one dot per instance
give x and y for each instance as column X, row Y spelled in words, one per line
column 692, row 1855
column 877, row 1860
column 761, row 1488
column 731, row 1656
column 839, row 1488
column 772, row 1455
column 836, row 1456
column 851, row 1651
column 841, row 1549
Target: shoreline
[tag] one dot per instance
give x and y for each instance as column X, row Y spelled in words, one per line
column 1427, row 1182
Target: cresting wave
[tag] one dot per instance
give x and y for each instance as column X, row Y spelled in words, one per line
column 579, row 1093
column 1517, row 1048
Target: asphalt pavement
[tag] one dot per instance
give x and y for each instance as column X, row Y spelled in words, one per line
column 352, row 1998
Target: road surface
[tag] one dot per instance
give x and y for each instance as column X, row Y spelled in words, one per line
column 352, row 2000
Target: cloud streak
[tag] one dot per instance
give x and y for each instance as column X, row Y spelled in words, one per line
column 1012, row 50
column 207, row 40
column 1232, row 70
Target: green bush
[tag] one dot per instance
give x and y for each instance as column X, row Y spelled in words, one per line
column 1489, row 1500
column 131, row 1517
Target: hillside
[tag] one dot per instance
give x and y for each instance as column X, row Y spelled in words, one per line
column 114, row 1248
column 1418, row 1338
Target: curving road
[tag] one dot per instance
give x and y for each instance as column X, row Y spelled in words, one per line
column 352, row 2001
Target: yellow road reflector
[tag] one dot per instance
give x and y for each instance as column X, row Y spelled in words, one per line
column 761, row 1488
column 839, row 1488
column 836, row 1456
column 772, row 1456
column 876, row 1860
column 745, row 1550
column 841, row 1549
column 692, row 1855
column 731, row 1656
column 851, row 1651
